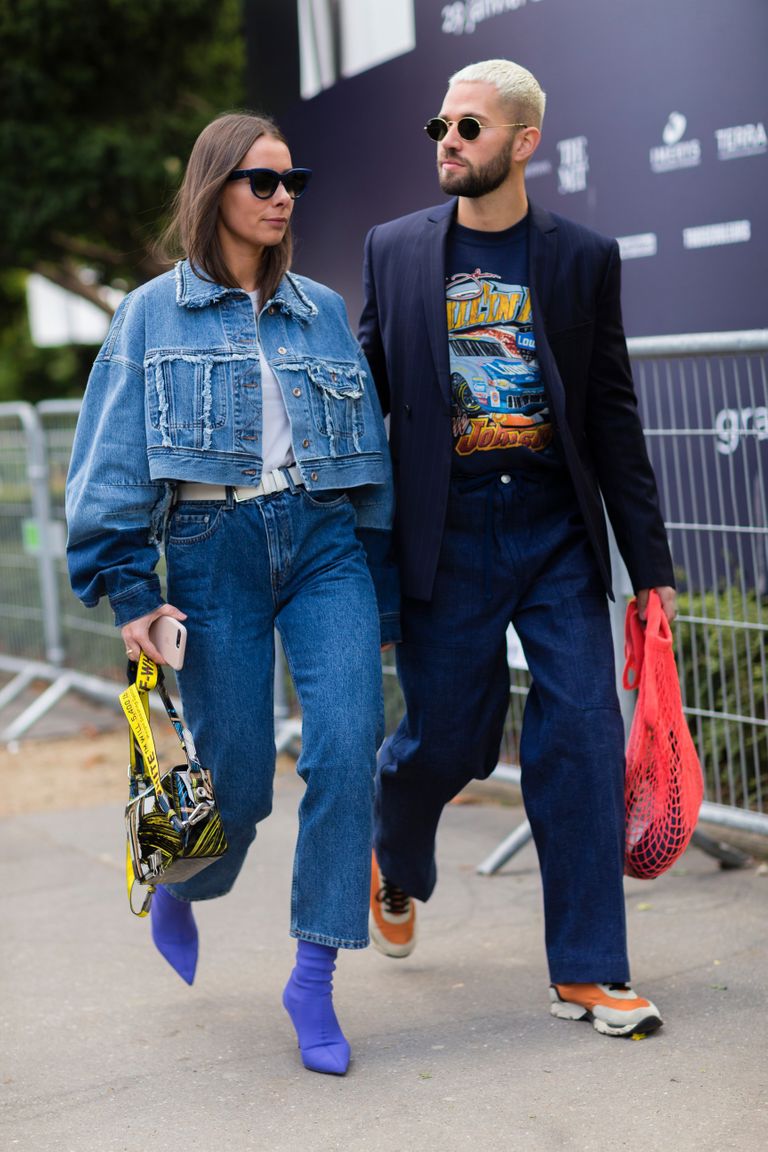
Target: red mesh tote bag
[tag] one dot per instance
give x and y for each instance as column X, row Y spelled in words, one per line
column 664, row 786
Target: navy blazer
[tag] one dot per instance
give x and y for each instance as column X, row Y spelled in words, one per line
column 575, row 293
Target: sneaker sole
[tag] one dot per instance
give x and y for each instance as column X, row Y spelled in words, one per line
column 386, row 947
column 642, row 1027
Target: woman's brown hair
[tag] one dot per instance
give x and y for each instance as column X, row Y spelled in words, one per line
column 217, row 151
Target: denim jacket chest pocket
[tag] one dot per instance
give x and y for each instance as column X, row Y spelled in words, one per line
column 187, row 396
column 336, row 392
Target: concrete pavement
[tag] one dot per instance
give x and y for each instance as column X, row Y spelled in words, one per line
column 104, row 1049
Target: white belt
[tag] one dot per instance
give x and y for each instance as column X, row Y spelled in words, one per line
column 271, row 482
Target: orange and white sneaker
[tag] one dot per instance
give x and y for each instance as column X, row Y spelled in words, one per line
column 614, row 1009
column 392, row 919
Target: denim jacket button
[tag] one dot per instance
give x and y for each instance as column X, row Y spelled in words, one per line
column 271, row 311
column 297, row 391
column 313, row 475
column 282, row 350
column 305, row 443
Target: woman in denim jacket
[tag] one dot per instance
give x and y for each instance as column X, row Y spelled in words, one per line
column 230, row 414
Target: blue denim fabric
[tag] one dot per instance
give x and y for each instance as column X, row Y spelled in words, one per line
column 175, row 394
column 516, row 551
column 238, row 570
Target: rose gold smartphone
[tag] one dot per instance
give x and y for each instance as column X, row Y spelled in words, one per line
column 170, row 638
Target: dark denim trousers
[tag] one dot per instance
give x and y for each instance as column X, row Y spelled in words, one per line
column 515, row 549
column 293, row 561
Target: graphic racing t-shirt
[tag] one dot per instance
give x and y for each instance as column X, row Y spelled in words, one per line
column 500, row 416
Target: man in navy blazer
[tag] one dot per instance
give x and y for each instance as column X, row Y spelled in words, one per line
column 494, row 333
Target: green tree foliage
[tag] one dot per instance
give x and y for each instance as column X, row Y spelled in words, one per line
column 102, row 100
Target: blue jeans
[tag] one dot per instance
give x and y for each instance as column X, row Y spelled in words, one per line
column 293, row 561
column 515, row 549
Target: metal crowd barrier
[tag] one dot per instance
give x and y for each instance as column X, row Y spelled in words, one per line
column 46, row 635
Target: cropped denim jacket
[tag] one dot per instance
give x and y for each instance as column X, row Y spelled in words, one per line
column 175, row 395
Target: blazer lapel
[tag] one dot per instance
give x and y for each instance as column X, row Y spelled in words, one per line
column 433, row 292
column 543, row 242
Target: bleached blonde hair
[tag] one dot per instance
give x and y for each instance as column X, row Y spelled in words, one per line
column 516, row 85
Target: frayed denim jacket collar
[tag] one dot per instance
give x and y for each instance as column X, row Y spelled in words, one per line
column 194, row 292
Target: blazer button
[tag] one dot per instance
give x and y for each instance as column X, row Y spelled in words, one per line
column 407, row 409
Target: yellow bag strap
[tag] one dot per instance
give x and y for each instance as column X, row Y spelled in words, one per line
column 130, row 883
column 143, row 756
column 147, row 673
column 136, row 768
column 134, row 701
column 144, row 746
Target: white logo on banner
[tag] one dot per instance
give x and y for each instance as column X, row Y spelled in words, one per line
column 641, row 244
column 675, row 152
column 741, row 140
column 733, row 423
column 574, row 165
column 674, row 129
column 465, row 15
column 538, row 168
column 713, row 235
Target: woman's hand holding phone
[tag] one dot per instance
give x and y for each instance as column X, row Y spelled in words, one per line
column 160, row 634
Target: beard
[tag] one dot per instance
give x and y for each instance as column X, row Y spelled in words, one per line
column 474, row 182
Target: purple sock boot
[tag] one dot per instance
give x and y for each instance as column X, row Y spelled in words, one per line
column 174, row 932
column 308, row 1001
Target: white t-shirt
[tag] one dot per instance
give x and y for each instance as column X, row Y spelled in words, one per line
column 277, row 448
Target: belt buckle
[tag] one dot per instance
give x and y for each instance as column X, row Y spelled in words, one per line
column 248, row 494
column 270, row 481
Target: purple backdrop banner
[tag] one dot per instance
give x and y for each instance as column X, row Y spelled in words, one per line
column 655, row 132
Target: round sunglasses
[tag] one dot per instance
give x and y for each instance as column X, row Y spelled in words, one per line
column 469, row 127
column 264, row 181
